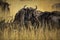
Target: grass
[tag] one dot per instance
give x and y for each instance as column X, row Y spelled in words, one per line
column 11, row 33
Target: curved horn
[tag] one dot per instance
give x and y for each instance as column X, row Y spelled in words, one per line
column 36, row 8
column 25, row 6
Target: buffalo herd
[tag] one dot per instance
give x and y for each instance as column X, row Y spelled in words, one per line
column 29, row 15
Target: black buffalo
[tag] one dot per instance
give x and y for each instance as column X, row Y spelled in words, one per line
column 19, row 17
column 50, row 18
column 25, row 16
column 4, row 5
column 55, row 19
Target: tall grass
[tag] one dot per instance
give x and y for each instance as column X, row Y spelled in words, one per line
column 16, row 32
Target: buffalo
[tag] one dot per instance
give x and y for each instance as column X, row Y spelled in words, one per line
column 4, row 5
column 49, row 18
column 26, row 16
column 55, row 19
column 19, row 17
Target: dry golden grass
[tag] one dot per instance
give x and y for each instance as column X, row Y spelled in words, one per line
column 32, row 34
